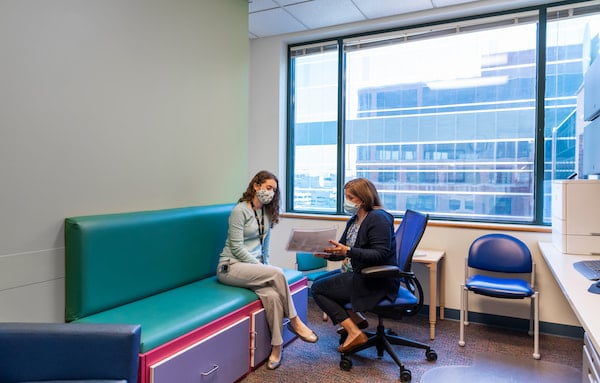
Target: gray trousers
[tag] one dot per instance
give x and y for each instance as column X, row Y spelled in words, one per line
column 270, row 284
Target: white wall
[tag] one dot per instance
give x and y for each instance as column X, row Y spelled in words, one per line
column 268, row 60
column 554, row 307
column 110, row 106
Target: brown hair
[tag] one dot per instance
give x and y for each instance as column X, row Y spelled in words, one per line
column 272, row 208
column 365, row 191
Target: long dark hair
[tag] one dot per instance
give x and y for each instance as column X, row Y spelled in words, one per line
column 365, row 191
column 272, row 208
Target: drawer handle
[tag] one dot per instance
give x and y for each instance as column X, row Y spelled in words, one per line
column 215, row 368
column 595, row 234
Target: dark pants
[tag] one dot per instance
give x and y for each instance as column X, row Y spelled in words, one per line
column 331, row 293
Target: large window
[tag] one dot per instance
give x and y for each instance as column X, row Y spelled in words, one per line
column 444, row 119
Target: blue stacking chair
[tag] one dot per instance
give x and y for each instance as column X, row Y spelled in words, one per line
column 500, row 266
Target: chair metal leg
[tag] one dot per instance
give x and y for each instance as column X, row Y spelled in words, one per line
column 463, row 298
column 536, row 325
column 531, row 332
column 388, row 347
column 466, row 292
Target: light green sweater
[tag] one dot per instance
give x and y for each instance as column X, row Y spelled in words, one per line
column 243, row 242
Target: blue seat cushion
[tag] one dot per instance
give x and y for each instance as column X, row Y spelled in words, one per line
column 404, row 299
column 499, row 287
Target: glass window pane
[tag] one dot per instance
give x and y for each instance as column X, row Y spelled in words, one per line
column 314, row 129
column 572, row 44
column 459, row 111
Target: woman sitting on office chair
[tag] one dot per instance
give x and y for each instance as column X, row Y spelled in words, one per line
column 368, row 240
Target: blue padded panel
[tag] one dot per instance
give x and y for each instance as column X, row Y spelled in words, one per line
column 500, row 253
column 408, row 235
column 499, row 287
column 68, row 352
column 76, row 381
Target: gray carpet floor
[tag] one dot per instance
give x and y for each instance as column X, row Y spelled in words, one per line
column 491, row 354
column 498, row 368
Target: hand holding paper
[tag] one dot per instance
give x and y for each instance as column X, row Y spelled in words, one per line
column 311, row 240
column 336, row 251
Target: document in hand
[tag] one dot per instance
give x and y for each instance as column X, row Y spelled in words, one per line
column 311, row 240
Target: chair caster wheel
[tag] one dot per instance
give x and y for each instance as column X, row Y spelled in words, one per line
column 345, row 364
column 405, row 376
column 431, row 355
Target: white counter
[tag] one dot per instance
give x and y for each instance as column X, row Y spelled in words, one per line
column 574, row 285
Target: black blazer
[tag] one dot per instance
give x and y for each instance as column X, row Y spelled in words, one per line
column 375, row 245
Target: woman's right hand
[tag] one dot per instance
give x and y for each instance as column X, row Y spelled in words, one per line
column 338, row 249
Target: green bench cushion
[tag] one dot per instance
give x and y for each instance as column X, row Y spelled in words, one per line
column 171, row 314
column 115, row 259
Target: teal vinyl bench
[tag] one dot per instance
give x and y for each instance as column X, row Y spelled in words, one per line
column 157, row 269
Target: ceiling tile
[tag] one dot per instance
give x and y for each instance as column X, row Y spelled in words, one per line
column 324, row 13
column 261, row 5
column 273, row 22
column 448, row 3
column 284, row 3
column 374, row 9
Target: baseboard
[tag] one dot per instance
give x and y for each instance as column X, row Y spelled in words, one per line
column 575, row 332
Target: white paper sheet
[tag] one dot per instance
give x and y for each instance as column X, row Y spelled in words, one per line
column 311, row 240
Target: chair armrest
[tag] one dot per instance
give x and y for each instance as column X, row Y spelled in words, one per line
column 386, row 271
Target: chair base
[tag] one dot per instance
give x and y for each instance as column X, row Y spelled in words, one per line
column 534, row 327
column 382, row 340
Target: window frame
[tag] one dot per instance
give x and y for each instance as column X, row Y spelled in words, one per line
column 539, row 145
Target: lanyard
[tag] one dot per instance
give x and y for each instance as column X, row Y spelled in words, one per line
column 261, row 222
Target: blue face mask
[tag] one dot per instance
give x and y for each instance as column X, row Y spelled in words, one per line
column 350, row 207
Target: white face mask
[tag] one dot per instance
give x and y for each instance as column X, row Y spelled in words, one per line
column 350, row 207
column 265, row 196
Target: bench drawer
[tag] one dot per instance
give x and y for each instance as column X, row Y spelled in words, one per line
column 220, row 358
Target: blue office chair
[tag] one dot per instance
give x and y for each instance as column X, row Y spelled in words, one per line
column 497, row 266
column 409, row 301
